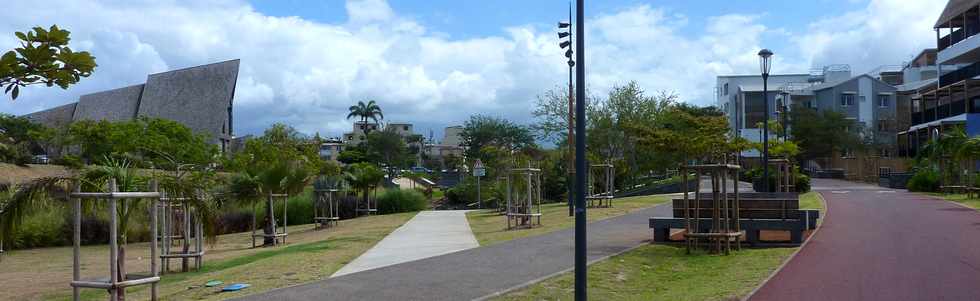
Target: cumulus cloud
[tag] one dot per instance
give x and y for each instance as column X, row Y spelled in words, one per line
column 307, row 73
column 885, row 32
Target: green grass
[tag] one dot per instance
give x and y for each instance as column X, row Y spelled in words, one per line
column 958, row 198
column 490, row 227
column 811, row 200
column 309, row 256
column 662, row 272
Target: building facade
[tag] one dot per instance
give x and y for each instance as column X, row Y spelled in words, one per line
column 952, row 100
column 200, row 98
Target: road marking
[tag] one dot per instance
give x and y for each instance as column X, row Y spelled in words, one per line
column 886, row 191
column 839, row 191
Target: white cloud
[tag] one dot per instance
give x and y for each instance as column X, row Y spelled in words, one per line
column 307, row 73
column 885, row 32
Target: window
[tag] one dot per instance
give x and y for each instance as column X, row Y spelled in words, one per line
column 846, row 100
column 726, row 89
column 884, row 172
column 847, row 153
column 406, row 128
column 884, row 153
column 882, row 125
column 883, row 101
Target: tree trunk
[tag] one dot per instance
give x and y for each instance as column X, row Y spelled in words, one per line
column 121, row 269
column 270, row 224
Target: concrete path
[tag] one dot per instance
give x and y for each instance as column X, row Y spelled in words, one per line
column 428, row 234
column 479, row 272
column 883, row 244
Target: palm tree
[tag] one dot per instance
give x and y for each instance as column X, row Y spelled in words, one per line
column 251, row 185
column 944, row 151
column 365, row 111
column 364, row 177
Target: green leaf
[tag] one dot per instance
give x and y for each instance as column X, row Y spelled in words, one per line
column 15, row 93
column 21, row 35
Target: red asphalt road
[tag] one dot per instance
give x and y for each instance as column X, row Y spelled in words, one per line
column 876, row 245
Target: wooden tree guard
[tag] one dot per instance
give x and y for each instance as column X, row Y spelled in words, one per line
column 325, row 207
column 601, row 185
column 524, row 201
column 723, row 230
column 181, row 226
column 784, row 175
column 368, row 207
column 113, row 283
column 278, row 237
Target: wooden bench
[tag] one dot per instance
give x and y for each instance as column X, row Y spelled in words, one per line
column 757, row 211
column 948, row 189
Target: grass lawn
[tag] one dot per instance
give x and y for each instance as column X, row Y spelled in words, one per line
column 310, row 255
column 490, row 227
column 661, row 272
column 959, row 198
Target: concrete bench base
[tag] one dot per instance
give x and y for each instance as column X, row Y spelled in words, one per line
column 662, row 225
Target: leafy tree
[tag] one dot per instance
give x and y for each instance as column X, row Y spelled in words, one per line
column 153, row 141
column 683, row 137
column 351, row 156
column 820, row 134
column 386, row 147
column 365, row 111
column 280, row 161
column 20, row 138
column 43, row 58
column 482, row 130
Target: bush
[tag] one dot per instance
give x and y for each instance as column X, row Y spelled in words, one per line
column 802, row 183
column 398, row 200
column 69, row 161
column 924, row 180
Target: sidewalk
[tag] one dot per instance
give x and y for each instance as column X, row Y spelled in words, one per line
column 479, row 272
column 428, row 234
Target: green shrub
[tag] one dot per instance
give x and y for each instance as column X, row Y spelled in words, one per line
column 300, row 208
column 924, row 180
column 69, row 161
column 401, row 200
column 802, row 183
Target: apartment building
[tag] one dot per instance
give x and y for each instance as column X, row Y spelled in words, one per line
column 952, row 99
column 867, row 100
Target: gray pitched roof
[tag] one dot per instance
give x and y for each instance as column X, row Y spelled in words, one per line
column 112, row 105
column 56, row 117
column 198, row 97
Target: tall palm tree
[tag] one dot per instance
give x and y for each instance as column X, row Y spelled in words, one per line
column 365, row 111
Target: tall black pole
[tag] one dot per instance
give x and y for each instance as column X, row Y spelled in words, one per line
column 571, row 116
column 580, row 245
column 765, row 133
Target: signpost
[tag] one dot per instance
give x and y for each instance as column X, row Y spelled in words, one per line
column 479, row 171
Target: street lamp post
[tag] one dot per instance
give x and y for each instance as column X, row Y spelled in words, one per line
column 580, row 244
column 765, row 59
column 571, row 106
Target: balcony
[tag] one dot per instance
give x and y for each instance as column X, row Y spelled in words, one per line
column 958, row 75
column 960, row 46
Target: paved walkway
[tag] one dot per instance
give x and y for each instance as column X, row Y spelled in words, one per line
column 428, row 234
column 883, row 244
column 478, row 272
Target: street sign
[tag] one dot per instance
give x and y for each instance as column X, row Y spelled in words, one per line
column 478, row 169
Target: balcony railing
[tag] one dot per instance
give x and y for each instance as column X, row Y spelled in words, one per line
column 961, row 74
column 942, row 111
column 958, row 35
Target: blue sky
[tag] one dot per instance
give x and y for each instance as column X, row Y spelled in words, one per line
column 434, row 63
